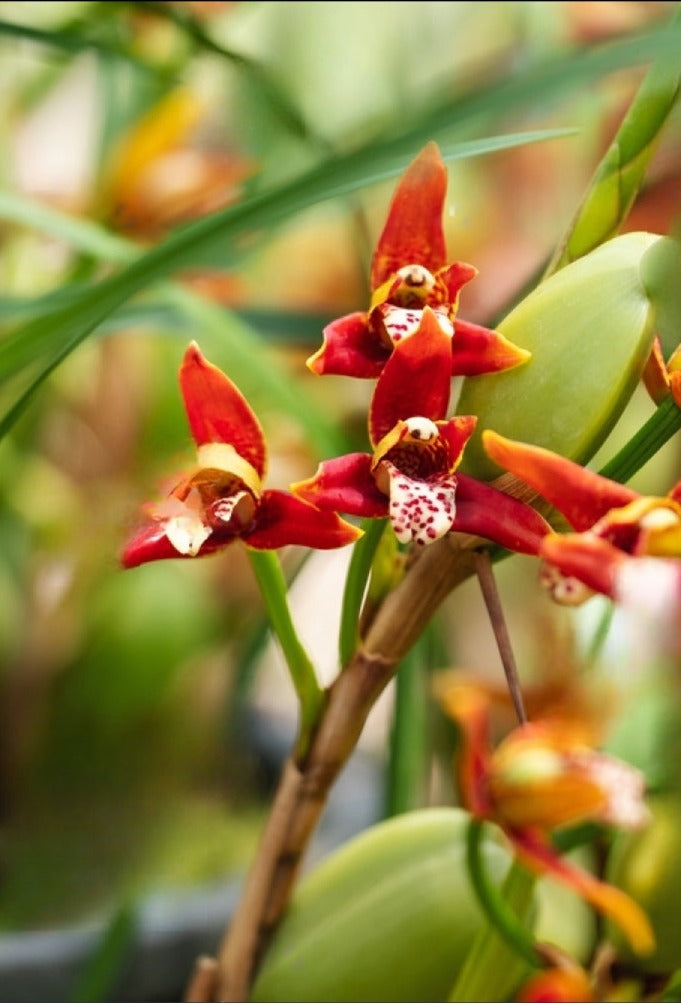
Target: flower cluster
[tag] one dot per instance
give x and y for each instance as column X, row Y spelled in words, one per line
column 411, row 341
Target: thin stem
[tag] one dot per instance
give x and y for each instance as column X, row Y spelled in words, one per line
column 361, row 561
column 650, row 437
column 488, row 585
column 498, row 910
column 272, row 584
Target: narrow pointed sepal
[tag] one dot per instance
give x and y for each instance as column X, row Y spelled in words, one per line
column 413, row 232
column 416, row 379
column 535, row 850
column 581, row 495
column 477, row 350
column 218, row 412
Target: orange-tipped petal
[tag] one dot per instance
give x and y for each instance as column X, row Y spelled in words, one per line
column 350, row 348
column 591, row 560
column 413, row 231
column 582, row 495
column 416, row 379
column 540, row 856
column 469, row 707
column 486, row 512
column 344, row 484
column 477, row 350
column 282, row 520
column 218, row 412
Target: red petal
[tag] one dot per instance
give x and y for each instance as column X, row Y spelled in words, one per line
column 218, row 412
column 152, row 544
column 477, row 350
column 283, row 519
column 415, row 381
column 455, row 277
column 413, row 233
column 534, row 849
column 580, row 494
column 589, row 559
column 345, row 484
column 350, row 348
column 457, row 431
column 486, row 512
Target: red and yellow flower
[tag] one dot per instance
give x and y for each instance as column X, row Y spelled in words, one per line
column 410, row 476
column 222, row 498
column 409, row 272
column 620, row 537
column 542, row 776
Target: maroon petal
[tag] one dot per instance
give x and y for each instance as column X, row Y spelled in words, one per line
column 350, row 348
column 345, row 484
column 283, row 519
column 486, row 512
column 590, row 559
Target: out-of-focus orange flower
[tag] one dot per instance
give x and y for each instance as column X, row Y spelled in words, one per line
column 161, row 176
column 542, row 776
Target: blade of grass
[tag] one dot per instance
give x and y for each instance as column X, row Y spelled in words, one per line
column 622, row 170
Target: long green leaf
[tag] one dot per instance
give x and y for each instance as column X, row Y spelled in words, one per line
column 621, row 172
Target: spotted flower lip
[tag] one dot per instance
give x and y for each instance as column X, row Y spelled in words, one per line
column 409, row 272
column 222, row 499
column 542, row 776
column 615, row 527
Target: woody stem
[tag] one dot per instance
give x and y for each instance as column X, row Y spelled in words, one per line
column 490, row 593
column 307, row 778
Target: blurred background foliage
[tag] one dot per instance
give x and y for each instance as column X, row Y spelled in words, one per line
column 124, row 754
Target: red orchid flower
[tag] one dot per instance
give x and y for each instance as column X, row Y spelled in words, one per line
column 620, row 534
column 542, row 776
column 410, row 476
column 222, row 499
column 409, row 272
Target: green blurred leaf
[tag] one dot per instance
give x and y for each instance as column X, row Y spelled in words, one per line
column 389, row 916
column 589, row 328
column 622, row 171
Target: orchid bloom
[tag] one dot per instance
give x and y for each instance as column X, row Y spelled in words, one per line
column 621, row 536
column 408, row 273
column 410, row 476
column 222, row 499
column 542, row 776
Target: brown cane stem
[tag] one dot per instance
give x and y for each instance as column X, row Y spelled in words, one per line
column 488, row 586
column 304, row 786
